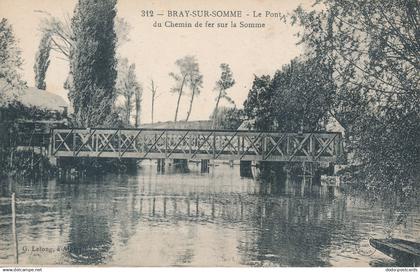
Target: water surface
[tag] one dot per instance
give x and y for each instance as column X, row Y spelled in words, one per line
column 196, row 219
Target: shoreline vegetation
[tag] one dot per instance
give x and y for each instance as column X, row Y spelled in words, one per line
column 358, row 75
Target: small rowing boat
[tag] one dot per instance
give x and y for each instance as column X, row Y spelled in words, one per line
column 403, row 251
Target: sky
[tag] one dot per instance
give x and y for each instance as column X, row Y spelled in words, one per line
column 154, row 51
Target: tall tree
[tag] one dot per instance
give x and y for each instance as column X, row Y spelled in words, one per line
column 60, row 33
column 10, row 58
column 187, row 66
column 225, row 82
column 42, row 61
column 137, row 105
column 196, row 83
column 128, row 87
column 93, row 62
column 153, row 89
column 62, row 37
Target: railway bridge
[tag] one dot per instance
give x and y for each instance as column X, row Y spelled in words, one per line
column 193, row 144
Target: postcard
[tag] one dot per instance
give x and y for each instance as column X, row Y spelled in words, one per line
column 254, row 133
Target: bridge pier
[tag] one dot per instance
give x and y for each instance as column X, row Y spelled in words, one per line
column 161, row 166
column 180, row 163
column 204, row 166
column 245, row 168
column 312, row 171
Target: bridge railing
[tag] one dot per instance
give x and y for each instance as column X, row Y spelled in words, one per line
column 196, row 144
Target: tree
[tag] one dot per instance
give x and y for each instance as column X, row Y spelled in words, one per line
column 137, row 105
column 153, row 89
column 42, row 61
column 63, row 42
column 128, row 87
column 93, row 62
column 228, row 118
column 10, row 58
column 225, row 82
column 62, row 37
column 259, row 104
column 196, row 83
column 372, row 47
column 297, row 98
column 60, row 33
column 302, row 97
column 188, row 67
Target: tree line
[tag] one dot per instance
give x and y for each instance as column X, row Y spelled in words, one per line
column 71, row 40
column 360, row 66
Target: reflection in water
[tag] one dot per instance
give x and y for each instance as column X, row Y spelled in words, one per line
column 177, row 218
column 90, row 237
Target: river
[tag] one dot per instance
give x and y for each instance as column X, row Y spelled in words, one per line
column 196, row 219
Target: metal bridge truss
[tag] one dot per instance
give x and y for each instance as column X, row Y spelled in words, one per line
column 196, row 144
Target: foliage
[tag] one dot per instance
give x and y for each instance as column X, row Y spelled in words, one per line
column 259, row 105
column 228, row 118
column 92, row 62
column 387, row 151
column 187, row 76
column 137, row 106
column 42, row 61
column 16, row 110
column 297, row 98
column 13, row 133
column 60, row 33
column 62, row 37
column 225, row 82
column 10, row 58
column 153, row 90
column 302, row 95
column 128, row 87
column 372, row 47
column 195, row 83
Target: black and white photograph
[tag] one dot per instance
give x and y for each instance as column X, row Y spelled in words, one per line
column 209, row 133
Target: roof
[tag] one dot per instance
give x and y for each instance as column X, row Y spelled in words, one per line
column 42, row 99
column 33, row 97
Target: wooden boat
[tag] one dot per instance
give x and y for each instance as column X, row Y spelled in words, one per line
column 403, row 251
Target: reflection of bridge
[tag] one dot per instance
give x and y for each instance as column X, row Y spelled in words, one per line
column 196, row 144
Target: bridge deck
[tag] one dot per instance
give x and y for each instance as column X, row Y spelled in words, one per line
column 196, row 144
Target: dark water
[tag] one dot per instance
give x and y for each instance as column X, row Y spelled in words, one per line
column 194, row 219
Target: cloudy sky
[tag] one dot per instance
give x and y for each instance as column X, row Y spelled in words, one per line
column 249, row 52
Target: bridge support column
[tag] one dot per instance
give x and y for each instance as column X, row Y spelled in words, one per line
column 312, row 171
column 180, row 163
column 161, row 165
column 316, row 174
column 204, row 166
column 245, row 168
column 52, row 160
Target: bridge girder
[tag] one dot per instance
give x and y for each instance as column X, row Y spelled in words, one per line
column 196, row 144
